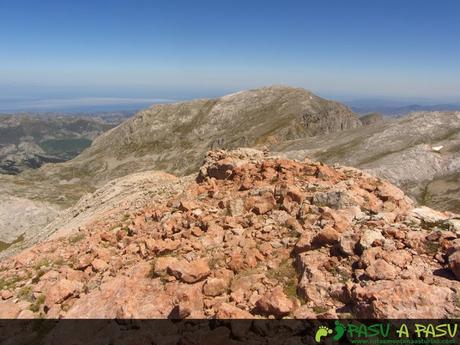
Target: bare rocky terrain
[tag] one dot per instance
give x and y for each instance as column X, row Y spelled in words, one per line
column 250, row 235
column 137, row 226
column 173, row 138
column 420, row 153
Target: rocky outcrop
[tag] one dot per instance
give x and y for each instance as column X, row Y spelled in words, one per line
column 419, row 153
column 252, row 236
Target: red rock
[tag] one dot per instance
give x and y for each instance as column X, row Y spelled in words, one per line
column 304, row 312
column 314, row 282
column 387, row 191
column 83, row 261
column 189, row 301
column 304, row 243
column 54, row 312
column 275, row 303
column 264, row 204
column 61, row 290
column 9, row 310
column 108, row 237
column 284, row 190
column 236, row 262
column 99, row 265
column 293, row 224
column 369, row 237
column 341, row 220
column 295, row 194
column 26, row 314
column 228, row 311
column 404, row 299
column 347, row 243
column 188, row 205
column 246, row 184
column 72, row 274
column 225, row 274
column 6, row 294
column 246, row 283
column 326, row 173
column 196, row 231
column 215, row 287
column 162, row 246
column 454, row 264
column 287, row 212
column 180, row 311
column 132, row 295
column 189, row 272
column 120, row 234
column 235, row 207
column 24, row 258
column 162, row 263
column 50, row 275
column 326, row 236
column 380, row 269
column 265, row 248
column 400, row 258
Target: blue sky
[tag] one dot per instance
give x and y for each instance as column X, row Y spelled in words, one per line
column 184, row 49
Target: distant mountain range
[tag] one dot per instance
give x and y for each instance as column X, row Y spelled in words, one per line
column 77, row 104
column 397, row 109
column 114, row 117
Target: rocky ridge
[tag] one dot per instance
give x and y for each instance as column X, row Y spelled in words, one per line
column 252, row 235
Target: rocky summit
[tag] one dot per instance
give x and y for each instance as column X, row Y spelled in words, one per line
column 251, row 236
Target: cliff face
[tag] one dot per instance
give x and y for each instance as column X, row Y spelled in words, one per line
column 250, row 235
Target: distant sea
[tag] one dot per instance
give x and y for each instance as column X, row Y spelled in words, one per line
column 82, row 104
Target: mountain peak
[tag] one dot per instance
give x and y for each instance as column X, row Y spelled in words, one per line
column 164, row 134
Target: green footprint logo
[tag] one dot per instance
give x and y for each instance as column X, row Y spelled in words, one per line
column 339, row 330
column 322, row 331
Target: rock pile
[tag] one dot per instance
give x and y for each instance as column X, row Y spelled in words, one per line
column 254, row 236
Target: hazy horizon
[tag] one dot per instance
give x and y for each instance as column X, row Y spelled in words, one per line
column 95, row 104
column 62, row 51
